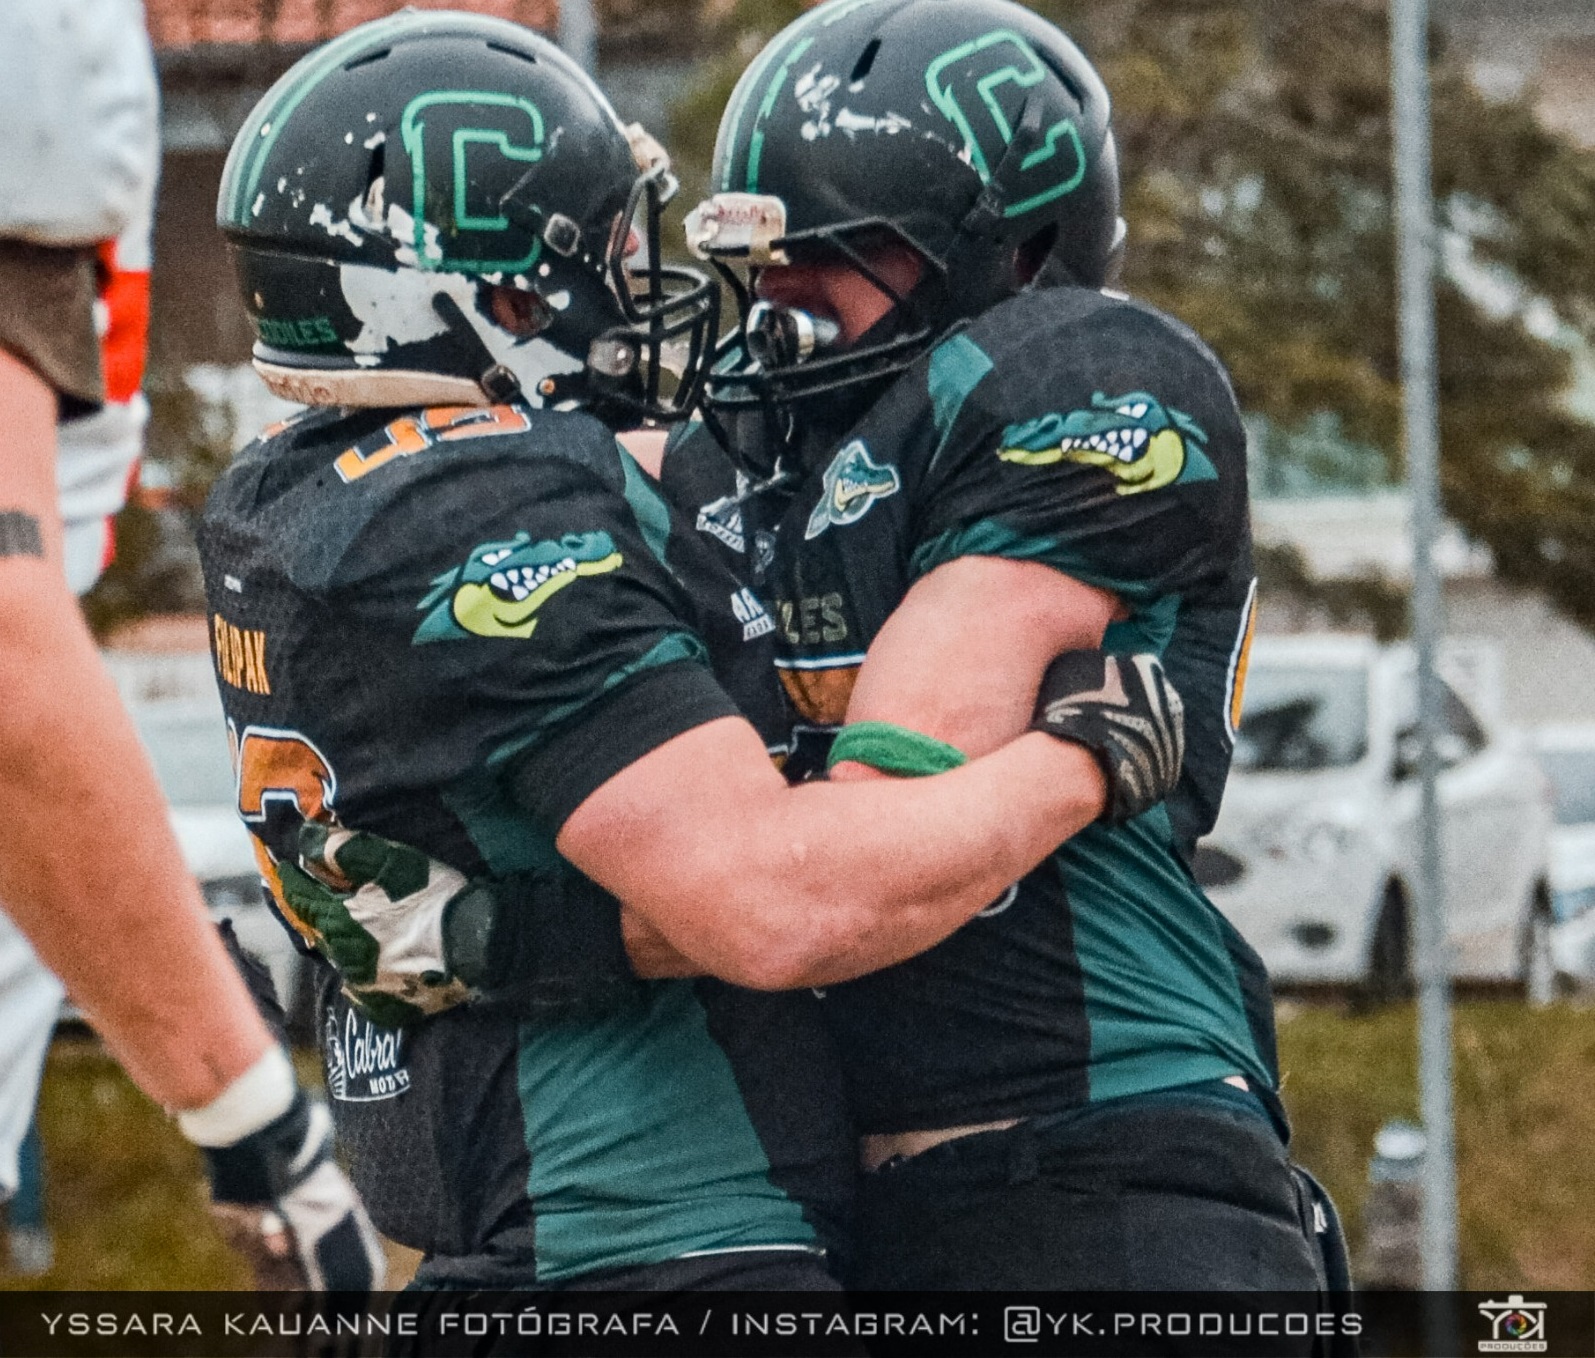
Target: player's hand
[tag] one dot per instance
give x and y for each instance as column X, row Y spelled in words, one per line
column 1125, row 711
column 285, row 1205
column 410, row 936
column 375, row 910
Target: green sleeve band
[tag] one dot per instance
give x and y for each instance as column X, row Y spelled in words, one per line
column 894, row 749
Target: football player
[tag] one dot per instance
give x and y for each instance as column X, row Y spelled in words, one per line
column 449, row 609
column 995, row 459
column 89, row 870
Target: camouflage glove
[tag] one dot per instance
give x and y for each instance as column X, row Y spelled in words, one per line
column 410, row 936
column 1125, row 711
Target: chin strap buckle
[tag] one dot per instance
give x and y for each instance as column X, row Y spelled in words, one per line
column 497, row 382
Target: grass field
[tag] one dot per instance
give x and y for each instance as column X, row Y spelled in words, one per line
column 128, row 1206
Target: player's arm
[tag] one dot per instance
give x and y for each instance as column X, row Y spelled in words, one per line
column 775, row 887
column 962, row 656
column 88, row 861
column 650, row 781
column 1091, row 538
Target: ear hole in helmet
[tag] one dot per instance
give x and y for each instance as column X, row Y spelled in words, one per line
column 1032, row 254
column 518, row 313
column 866, row 61
column 366, row 58
column 511, row 51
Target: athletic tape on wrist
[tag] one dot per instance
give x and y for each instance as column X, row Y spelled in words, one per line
column 258, row 1097
column 894, row 749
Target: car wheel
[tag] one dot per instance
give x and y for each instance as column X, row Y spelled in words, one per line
column 1539, row 978
column 1389, row 956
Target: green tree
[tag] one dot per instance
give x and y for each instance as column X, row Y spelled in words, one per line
column 1255, row 144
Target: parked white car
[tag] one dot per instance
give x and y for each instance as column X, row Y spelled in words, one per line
column 1315, row 850
column 1567, row 754
column 179, row 717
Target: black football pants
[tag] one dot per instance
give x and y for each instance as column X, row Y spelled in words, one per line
column 1141, row 1194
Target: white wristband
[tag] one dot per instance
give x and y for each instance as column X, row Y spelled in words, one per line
column 259, row 1096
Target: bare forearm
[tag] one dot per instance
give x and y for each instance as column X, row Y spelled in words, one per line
column 89, row 867
column 822, row 883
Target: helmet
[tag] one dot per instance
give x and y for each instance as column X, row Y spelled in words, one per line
column 435, row 208
column 972, row 131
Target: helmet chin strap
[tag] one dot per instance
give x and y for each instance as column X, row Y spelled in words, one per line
column 497, row 382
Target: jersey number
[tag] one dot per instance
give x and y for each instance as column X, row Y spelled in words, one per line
column 285, row 768
column 413, row 434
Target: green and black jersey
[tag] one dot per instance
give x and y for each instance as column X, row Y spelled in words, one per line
column 449, row 627
column 1096, row 435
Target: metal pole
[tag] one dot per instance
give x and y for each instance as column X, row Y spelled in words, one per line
column 578, row 33
column 1415, row 235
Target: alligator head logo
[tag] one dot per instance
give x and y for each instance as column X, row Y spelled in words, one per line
column 853, row 482
column 502, row 585
column 1142, row 443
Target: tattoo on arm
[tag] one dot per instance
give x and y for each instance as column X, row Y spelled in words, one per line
column 20, row 534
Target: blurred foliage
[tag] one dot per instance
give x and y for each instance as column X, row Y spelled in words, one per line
column 1367, row 602
column 1255, row 144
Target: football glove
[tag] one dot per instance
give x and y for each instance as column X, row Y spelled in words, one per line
column 293, row 1205
column 1124, row 710
column 410, row 936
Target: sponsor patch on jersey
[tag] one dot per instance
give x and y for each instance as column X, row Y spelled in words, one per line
column 852, row 484
column 502, row 585
column 750, row 613
column 722, row 519
column 1143, row 444
column 365, row 1063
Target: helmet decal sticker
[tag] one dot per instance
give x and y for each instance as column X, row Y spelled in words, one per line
column 1135, row 438
column 271, row 115
column 502, row 585
column 518, row 137
column 983, row 65
column 823, row 16
column 852, row 484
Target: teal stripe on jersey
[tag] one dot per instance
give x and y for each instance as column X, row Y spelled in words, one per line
column 648, row 507
column 989, row 537
column 500, row 830
column 641, row 1146
column 668, row 650
column 1162, row 997
column 1151, row 628
column 957, row 367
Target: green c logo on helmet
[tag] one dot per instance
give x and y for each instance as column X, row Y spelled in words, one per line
column 976, row 70
column 449, row 148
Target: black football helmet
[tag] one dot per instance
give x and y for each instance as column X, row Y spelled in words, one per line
column 972, row 131
column 435, row 208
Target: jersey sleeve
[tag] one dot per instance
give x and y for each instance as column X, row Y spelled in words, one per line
column 1090, row 433
column 522, row 617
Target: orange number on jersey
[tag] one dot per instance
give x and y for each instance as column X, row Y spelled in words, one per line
column 413, row 434
column 281, row 766
column 1239, row 660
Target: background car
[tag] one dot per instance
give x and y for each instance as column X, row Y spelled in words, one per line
column 1567, row 754
column 1315, row 851
column 179, row 717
